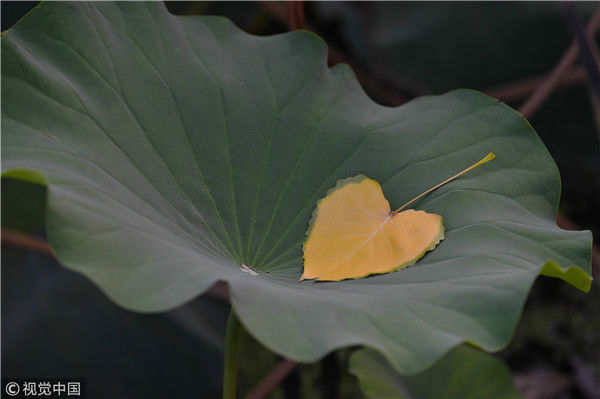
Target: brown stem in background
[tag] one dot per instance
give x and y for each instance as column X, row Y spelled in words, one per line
column 295, row 15
column 539, row 97
column 520, row 89
column 390, row 95
column 541, row 94
column 272, row 379
column 587, row 49
column 27, row 242
column 542, row 385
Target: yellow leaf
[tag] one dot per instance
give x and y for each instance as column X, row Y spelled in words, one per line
column 354, row 233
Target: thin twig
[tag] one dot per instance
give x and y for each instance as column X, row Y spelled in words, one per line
column 272, row 379
column 541, row 94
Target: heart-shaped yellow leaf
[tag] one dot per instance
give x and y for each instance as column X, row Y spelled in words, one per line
column 354, row 234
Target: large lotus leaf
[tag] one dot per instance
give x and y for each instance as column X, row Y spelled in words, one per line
column 463, row 373
column 176, row 149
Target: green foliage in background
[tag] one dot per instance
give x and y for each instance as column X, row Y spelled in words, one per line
column 463, row 373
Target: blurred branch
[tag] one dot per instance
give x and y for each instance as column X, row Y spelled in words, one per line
column 585, row 378
column 541, row 94
column 272, row 379
column 27, row 242
column 295, row 15
column 588, row 52
column 539, row 97
column 14, row 239
column 542, row 385
column 520, row 89
column 386, row 93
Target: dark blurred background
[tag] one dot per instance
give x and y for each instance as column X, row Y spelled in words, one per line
column 56, row 323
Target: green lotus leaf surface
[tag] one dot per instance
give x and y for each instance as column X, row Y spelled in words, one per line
column 176, row 149
column 463, row 373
